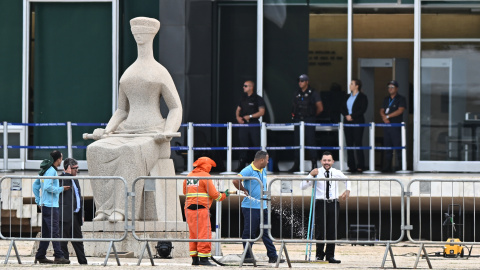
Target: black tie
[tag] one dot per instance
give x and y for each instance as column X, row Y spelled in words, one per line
column 328, row 185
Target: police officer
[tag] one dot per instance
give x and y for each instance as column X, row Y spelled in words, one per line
column 306, row 106
column 392, row 112
column 250, row 109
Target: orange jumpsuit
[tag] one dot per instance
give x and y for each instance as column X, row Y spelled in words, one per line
column 200, row 194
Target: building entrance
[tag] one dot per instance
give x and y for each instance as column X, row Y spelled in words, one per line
column 375, row 73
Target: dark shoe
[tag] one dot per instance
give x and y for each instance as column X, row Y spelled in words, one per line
column 320, row 258
column 195, row 260
column 61, row 261
column 351, row 171
column 205, row 262
column 332, row 260
column 274, row 260
column 359, row 170
column 44, row 260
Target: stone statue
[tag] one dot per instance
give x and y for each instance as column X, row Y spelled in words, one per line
column 137, row 136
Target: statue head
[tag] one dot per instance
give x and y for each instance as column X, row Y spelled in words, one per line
column 144, row 29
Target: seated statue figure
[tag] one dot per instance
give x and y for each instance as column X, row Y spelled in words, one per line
column 137, row 135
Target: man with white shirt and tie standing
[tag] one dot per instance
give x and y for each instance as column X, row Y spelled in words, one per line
column 327, row 206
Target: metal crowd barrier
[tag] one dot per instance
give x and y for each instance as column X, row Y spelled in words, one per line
column 293, row 226
column 18, row 205
column 190, row 148
column 446, row 204
column 171, row 226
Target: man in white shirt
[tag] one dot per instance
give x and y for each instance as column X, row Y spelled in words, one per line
column 327, row 205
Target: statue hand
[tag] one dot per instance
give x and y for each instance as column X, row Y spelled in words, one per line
column 162, row 138
column 98, row 133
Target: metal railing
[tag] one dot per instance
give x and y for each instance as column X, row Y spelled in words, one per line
column 377, row 194
column 191, row 148
column 170, row 224
column 374, row 214
column 19, row 206
column 446, row 204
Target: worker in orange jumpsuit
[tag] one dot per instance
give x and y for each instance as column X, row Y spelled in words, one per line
column 200, row 194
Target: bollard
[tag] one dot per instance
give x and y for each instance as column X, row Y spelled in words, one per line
column 69, row 139
column 190, row 148
column 302, row 148
column 263, row 136
column 404, row 151
column 341, row 154
column 5, row 148
column 371, row 158
column 229, row 149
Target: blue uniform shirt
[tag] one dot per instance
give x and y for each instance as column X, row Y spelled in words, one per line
column 51, row 189
column 253, row 187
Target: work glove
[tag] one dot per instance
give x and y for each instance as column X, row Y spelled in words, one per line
column 226, row 193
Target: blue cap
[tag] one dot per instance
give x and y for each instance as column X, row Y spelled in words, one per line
column 303, row 77
column 393, row 82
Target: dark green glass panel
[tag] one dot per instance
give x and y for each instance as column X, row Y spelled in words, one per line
column 72, row 77
column 11, row 60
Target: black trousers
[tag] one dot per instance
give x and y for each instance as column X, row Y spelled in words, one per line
column 66, row 229
column 326, row 219
column 50, row 223
column 353, row 137
column 309, row 140
column 392, row 137
column 249, row 137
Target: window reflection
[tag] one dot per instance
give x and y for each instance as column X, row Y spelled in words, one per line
column 450, row 111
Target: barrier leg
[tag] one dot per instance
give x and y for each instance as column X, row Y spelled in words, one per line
column 248, row 247
column 422, row 248
column 112, row 245
column 388, row 249
column 147, row 247
column 287, row 258
column 150, row 254
column 12, row 244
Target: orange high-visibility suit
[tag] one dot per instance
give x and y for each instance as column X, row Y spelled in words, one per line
column 200, row 194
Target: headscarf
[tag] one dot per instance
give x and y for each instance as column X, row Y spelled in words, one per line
column 45, row 165
column 204, row 164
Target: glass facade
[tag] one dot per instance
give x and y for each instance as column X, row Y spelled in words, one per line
column 72, row 60
column 450, row 87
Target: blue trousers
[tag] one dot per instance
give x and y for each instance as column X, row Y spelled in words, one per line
column 50, row 229
column 251, row 227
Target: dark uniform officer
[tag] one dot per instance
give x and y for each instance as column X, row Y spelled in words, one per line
column 392, row 112
column 307, row 104
column 250, row 109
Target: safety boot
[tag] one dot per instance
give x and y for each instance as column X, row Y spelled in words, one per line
column 195, row 260
column 205, row 262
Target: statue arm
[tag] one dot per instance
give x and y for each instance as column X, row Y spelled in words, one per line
column 118, row 117
column 120, row 114
column 174, row 117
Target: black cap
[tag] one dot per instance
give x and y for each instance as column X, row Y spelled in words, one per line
column 303, row 77
column 393, row 82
